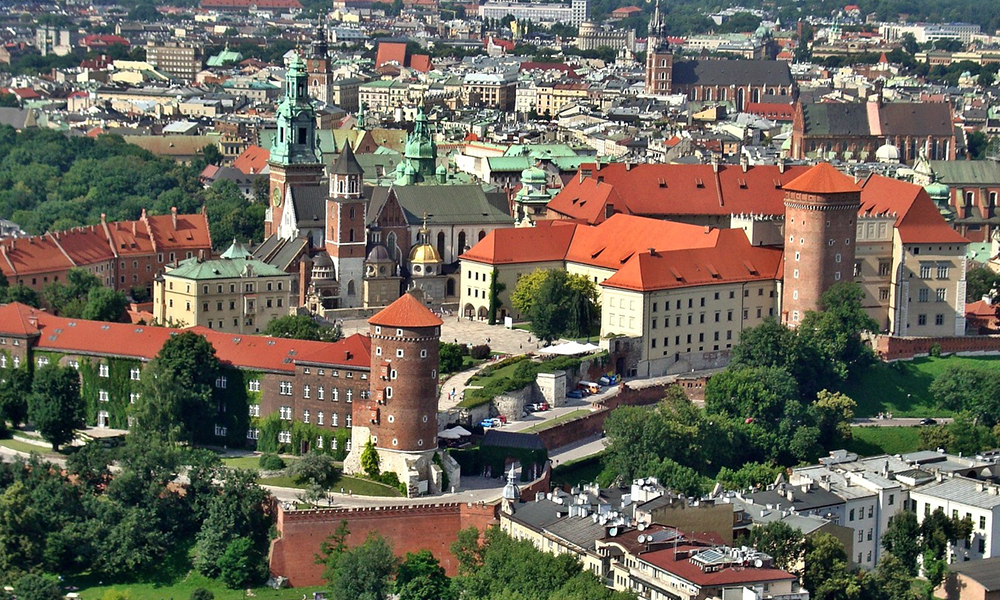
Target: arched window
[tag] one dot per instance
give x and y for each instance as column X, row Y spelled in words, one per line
column 354, row 185
column 340, row 186
column 482, row 234
column 350, row 288
column 350, row 235
column 440, row 243
column 390, row 244
column 461, row 242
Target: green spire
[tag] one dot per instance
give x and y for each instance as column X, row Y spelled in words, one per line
column 421, row 152
column 295, row 142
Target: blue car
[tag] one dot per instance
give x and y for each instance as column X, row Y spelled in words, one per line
column 574, row 394
column 487, row 423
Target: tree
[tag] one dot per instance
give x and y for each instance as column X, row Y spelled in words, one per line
column 365, row 572
column 240, row 565
column 237, row 512
column 771, row 344
column 317, row 469
column 969, row 388
column 892, row 579
column 14, row 392
column 836, row 330
column 526, row 290
column 369, row 459
column 449, row 358
column 37, row 587
column 302, row 327
column 980, row 282
column 90, row 464
column 176, row 390
column 826, row 575
column 781, row 541
column 902, row 539
column 564, row 305
column 55, row 406
column 752, row 475
column 467, row 550
column 104, row 304
column 909, row 43
column 421, row 577
column 332, row 549
column 495, row 289
column 759, row 393
column 834, row 414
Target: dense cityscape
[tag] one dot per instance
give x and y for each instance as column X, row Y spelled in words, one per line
column 499, row 300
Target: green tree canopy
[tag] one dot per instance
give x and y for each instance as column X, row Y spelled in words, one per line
column 421, row 577
column 902, row 539
column 365, row 572
column 302, row 327
column 55, row 406
column 781, row 541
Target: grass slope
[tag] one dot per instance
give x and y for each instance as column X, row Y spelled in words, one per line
column 902, row 387
column 354, row 485
column 573, row 414
column 871, row 441
column 584, row 470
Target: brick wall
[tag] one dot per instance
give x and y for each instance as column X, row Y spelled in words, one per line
column 408, row 528
column 903, row 348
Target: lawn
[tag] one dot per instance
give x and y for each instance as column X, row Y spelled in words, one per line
column 902, row 387
column 584, row 470
column 29, row 448
column 575, row 414
column 251, row 462
column 871, row 441
column 354, row 485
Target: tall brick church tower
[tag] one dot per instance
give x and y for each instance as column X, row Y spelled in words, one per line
column 295, row 158
column 821, row 212
column 400, row 415
column 659, row 57
column 345, row 235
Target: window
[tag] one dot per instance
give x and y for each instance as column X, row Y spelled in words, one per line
column 333, row 419
column 925, row 270
column 399, row 353
column 305, row 416
column 254, row 385
column 347, row 422
column 335, row 394
column 982, row 522
column 319, row 418
column 103, row 396
column 320, row 393
column 923, row 295
column 883, row 294
column 285, row 413
column 941, row 294
column 133, row 374
column 861, row 535
column 850, row 515
column 285, row 388
column 220, row 431
column 284, row 437
column 103, row 371
column 221, row 382
column 132, row 397
column 350, row 394
column 942, row 270
column 254, row 410
column 253, row 434
column 43, row 360
column 857, row 268
column 883, row 268
column 305, row 391
column 921, row 319
column 982, row 545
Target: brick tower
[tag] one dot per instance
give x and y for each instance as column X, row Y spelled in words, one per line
column 400, row 414
column 821, row 211
column 345, row 236
column 659, row 57
column 295, row 158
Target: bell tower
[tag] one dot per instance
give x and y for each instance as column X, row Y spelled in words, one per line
column 659, row 57
column 345, row 235
column 295, row 158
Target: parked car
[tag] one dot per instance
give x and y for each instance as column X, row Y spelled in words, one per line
column 487, row 423
column 540, row 406
column 574, row 394
column 590, row 387
column 928, row 421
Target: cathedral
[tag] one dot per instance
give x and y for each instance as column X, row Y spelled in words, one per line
column 360, row 242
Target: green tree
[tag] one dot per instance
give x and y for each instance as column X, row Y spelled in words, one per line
column 369, row 459
column 104, row 304
column 759, row 393
column 236, row 513
column 909, row 43
column 176, row 390
column 302, row 327
column 37, row 587
column 91, row 465
column 495, row 289
column 834, row 414
column 969, row 388
column 365, row 572
column 241, row 565
column 9, row 101
column 826, row 574
column 902, row 539
column 892, row 579
column 55, row 406
column 980, row 282
column 526, row 290
column 70, row 298
column 449, row 358
column 332, row 549
column 564, row 305
column 781, row 541
column 14, row 393
column 317, row 469
column 467, row 550
column 771, row 344
column 837, row 329
column 421, row 577
column 752, row 475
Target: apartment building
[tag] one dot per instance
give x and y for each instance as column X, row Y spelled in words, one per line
column 235, row 293
column 963, row 497
column 490, row 90
column 574, row 13
column 180, row 60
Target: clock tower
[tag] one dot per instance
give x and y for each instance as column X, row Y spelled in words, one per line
column 295, row 157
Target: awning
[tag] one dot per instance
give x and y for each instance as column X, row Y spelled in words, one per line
column 570, row 349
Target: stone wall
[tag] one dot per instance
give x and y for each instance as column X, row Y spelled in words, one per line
column 300, row 533
column 552, row 387
column 511, row 404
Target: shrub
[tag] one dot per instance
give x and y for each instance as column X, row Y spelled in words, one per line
column 271, row 462
column 936, row 350
column 480, row 352
column 201, row 594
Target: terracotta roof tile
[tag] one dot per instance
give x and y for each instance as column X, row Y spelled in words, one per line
column 252, row 160
column 918, row 220
column 407, row 311
column 824, row 178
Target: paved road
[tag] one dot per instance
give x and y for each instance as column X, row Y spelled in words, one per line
column 898, row 422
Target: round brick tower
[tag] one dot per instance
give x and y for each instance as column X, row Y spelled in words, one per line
column 400, row 414
column 821, row 211
column 402, row 408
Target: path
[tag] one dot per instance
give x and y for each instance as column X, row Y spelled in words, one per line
column 458, row 382
column 898, row 422
column 463, row 331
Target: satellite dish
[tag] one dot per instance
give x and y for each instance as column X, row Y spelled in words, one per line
column 758, row 563
column 642, row 527
column 613, row 531
column 641, row 539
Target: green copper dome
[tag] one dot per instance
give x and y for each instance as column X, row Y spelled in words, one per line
column 533, row 175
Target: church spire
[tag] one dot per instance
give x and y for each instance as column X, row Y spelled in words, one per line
column 295, row 142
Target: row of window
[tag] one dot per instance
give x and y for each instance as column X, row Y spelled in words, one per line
column 399, row 352
column 940, row 295
column 322, row 373
column 702, row 300
column 285, row 388
column 701, row 338
column 285, row 414
column 927, row 267
column 938, row 319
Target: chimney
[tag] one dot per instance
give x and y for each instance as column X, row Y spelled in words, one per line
column 744, row 162
column 715, row 162
column 201, row 255
column 781, row 164
column 173, row 216
column 104, row 219
column 133, row 229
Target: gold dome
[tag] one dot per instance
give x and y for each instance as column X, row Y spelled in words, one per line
column 424, row 254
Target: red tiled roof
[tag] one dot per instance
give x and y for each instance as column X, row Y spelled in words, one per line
column 390, row 52
column 103, row 40
column 420, row 62
column 677, row 562
column 731, row 260
column 662, row 190
column 917, row 218
column 144, row 342
column 981, row 309
column 549, row 241
column 407, row 311
column 824, row 178
column 252, row 160
column 771, row 110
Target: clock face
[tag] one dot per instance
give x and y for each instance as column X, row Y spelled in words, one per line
column 276, row 197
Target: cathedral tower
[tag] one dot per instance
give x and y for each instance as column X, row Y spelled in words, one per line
column 821, row 211
column 345, row 235
column 295, row 158
column 659, row 57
